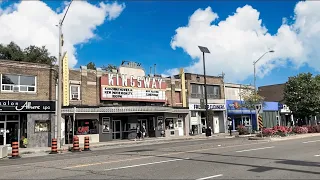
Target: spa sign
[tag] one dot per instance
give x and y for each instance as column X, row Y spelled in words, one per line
column 26, row 106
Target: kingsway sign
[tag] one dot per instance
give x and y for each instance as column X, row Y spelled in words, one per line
column 140, row 82
column 27, row 106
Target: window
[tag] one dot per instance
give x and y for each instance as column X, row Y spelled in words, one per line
column 194, row 113
column 18, row 83
column 105, row 124
column 75, row 92
column 86, row 126
column 42, row 126
column 213, row 92
column 197, row 91
column 169, row 123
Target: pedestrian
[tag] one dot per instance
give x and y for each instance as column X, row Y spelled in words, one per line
column 138, row 136
column 143, row 130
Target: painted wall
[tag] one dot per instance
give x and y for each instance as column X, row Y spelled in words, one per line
column 39, row 139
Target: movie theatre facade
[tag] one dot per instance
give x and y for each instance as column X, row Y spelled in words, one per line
column 128, row 99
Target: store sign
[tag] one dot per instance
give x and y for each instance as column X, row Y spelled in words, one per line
column 130, row 93
column 217, row 107
column 235, row 105
column 120, row 87
column 27, row 106
column 140, row 82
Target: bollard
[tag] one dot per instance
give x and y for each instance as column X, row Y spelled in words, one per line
column 15, row 150
column 86, row 144
column 54, row 148
column 76, row 147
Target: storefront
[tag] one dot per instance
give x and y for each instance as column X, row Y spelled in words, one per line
column 198, row 118
column 240, row 115
column 31, row 119
column 246, row 117
column 115, row 123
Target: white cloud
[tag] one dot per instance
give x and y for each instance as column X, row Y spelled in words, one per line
column 242, row 38
column 34, row 23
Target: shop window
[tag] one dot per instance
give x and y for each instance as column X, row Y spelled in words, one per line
column 106, row 124
column 194, row 113
column 86, row 126
column 179, row 123
column 18, row 83
column 42, row 126
column 75, row 92
column 169, row 123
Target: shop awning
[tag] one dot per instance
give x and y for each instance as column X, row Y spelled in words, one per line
column 125, row 109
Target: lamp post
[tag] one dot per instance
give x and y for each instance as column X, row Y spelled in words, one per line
column 254, row 69
column 59, row 78
column 205, row 50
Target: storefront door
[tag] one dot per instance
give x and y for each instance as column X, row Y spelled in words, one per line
column 12, row 132
column 216, row 125
column 2, row 134
column 116, row 129
column 246, row 120
column 144, row 122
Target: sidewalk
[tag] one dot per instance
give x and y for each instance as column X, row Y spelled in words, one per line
column 122, row 143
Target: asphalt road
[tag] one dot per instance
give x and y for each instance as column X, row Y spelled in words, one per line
column 206, row 159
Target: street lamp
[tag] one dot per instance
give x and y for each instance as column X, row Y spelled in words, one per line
column 59, row 78
column 205, row 50
column 254, row 69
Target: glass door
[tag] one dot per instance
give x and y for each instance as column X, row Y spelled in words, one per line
column 116, row 129
column 12, row 132
column 2, row 134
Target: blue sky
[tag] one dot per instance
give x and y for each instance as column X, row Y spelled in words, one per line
column 144, row 29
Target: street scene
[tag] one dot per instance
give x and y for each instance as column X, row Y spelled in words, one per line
column 236, row 158
column 159, row 90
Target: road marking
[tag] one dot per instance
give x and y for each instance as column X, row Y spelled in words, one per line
column 168, row 154
column 317, row 155
column 145, row 164
column 210, row 177
column 255, row 149
column 311, row 141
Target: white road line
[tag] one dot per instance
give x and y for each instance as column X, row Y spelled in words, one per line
column 210, row 177
column 138, row 165
column 255, row 149
column 310, row 141
column 317, row 155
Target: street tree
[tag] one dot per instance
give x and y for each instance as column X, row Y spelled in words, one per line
column 91, row 65
column 301, row 94
column 109, row 68
column 30, row 54
column 250, row 98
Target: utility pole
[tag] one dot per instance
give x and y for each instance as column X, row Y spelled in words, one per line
column 59, row 100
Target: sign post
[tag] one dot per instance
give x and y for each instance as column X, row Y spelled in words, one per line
column 259, row 111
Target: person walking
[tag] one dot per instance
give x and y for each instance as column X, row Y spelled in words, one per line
column 143, row 130
column 138, row 136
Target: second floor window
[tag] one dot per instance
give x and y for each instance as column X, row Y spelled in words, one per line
column 18, row 83
column 75, row 92
column 197, row 91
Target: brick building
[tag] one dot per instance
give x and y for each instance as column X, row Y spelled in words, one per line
column 111, row 105
column 194, row 89
column 27, row 103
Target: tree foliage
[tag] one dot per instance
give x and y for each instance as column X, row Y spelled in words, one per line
column 109, row 68
column 250, row 98
column 91, row 65
column 30, row 54
column 301, row 94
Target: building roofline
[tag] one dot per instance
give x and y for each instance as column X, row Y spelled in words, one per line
column 4, row 62
column 272, row 85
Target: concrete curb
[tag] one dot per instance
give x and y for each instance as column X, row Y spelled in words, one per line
column 128, row 143
column 297, row 136
column 300, row 136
